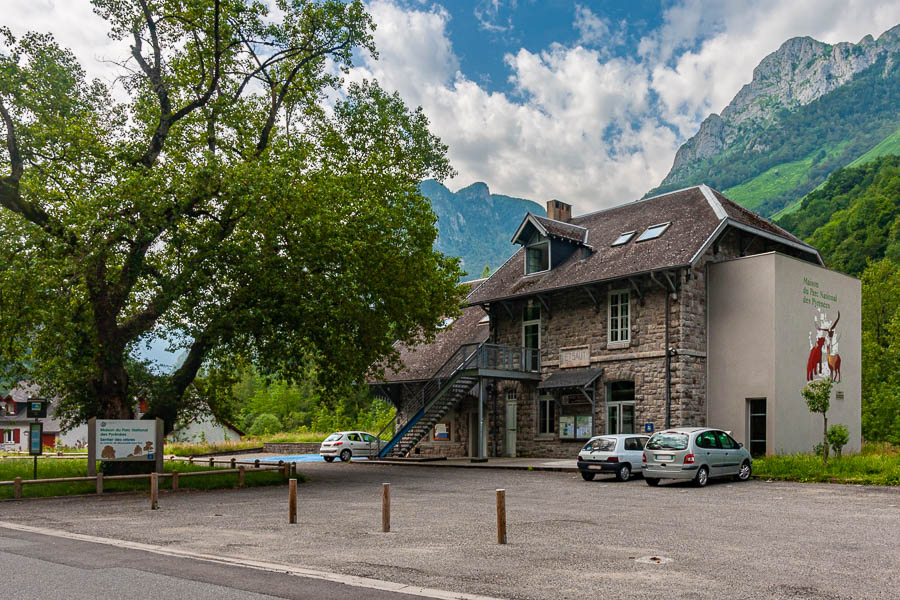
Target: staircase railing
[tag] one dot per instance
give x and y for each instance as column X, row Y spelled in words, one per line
column 468, row 356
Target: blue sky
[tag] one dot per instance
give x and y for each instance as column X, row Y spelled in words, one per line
column 583, row 101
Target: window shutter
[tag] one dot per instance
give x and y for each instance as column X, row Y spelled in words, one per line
column 16, row 434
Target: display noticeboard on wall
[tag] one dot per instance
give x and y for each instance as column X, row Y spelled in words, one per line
column 583, row 427
column 567, row 428
column 126, row 439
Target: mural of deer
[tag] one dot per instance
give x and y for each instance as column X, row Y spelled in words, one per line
column 834, row 360
column 814, row 362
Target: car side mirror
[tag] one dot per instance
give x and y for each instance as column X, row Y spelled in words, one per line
column 740, row 444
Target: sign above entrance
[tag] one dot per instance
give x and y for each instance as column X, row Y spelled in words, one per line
column 576, row 356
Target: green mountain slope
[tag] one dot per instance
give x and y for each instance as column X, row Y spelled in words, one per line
column 475, row 224
column 855, row 216
column 781, row 162
column 889, row 145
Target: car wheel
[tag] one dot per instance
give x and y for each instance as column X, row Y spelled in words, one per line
column 745, row 472
column 702, row 477
column 587, row 476
column 624, row 473
column 345, row 455
column 652, row 481
column 328, row 458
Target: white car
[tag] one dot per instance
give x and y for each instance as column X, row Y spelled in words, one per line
column 621, row 454
column 347, row 444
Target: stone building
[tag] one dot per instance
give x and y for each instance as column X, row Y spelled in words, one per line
column 602, row 323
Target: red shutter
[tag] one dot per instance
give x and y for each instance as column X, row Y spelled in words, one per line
column 16, row 434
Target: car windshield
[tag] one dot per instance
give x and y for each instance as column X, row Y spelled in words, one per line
column 333, row 437
column 601, row 445
column 669, row 440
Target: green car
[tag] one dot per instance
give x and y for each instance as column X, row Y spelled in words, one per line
column 695, row 453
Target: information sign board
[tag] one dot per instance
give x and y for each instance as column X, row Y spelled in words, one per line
column 35, row 437
column 583, row 427
column 126, row 439
column 567, row 428
column 37, row 409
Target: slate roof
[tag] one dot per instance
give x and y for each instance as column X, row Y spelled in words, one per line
column 697, row 215
column 570, row 378
column 563, row 230
column 423, row 360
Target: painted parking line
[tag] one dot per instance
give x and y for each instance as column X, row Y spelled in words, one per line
column 352, row 580
column 303, row 458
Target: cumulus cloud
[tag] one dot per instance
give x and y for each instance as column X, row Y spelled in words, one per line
column 579, row 124
column 597, row 31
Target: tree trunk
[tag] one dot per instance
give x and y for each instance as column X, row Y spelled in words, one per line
column 825, row 441
column 111, row 389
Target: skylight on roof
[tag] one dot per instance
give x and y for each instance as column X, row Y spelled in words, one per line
column 653, row 232
column 623, row 238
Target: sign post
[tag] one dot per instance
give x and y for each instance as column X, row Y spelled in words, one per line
column 134, row 440
column 35, row 442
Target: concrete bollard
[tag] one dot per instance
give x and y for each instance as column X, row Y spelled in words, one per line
column 241, row 476
column 174, row 480
column 154, row 491
column 292, row 501
column 385, row 507
column 17, row 488
column 99, row 483
column 501, row 516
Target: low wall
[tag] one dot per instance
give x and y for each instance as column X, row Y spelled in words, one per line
column 292, row 448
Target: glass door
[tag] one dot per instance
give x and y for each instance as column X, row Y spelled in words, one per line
column 619, row 417
column 612, row 419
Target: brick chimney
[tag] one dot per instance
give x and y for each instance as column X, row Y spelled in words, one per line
column 559, row 211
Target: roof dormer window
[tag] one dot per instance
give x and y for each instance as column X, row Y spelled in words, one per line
column 623, row 238
column 537, row 257
column 653, row 232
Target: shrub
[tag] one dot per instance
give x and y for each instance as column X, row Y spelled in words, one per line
column 265, row 424
column 838, row 436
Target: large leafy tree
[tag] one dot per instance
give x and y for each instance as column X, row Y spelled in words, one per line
column 233, row 196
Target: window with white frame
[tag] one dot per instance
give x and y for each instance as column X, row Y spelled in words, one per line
column 619, row 317
column 537, row 257
column 546, row 416
column 8, row 436
column 511, row 395
column 531, row 333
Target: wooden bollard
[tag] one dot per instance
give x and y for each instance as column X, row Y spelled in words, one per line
column 154, row 491
column 501, row 516
column 99, row 483
column 385, row 507
column 212, row 463
column 191, row 459
column 292, row 501
column 286, row 470
column 256, row 464
column 174, row 480
column 17, row 488
column 233, row 462
column 241, row 476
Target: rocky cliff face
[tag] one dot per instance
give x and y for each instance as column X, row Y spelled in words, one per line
column 475, row 224
column 799, row 72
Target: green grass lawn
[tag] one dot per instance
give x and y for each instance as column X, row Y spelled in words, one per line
column 877, row 464
column 54, row 468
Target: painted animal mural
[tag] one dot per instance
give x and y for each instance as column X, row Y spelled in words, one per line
column 825, row 340
column 814, row 362
column 833, row 358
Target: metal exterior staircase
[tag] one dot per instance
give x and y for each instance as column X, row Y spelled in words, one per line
column 450, row 383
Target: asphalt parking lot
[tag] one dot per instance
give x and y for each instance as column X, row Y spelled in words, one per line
column 567, row 538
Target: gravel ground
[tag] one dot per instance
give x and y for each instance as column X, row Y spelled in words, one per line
column 567, row 538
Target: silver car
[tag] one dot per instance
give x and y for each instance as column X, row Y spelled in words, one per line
column 619, row 454
column 695, row 453
column 347, row 444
